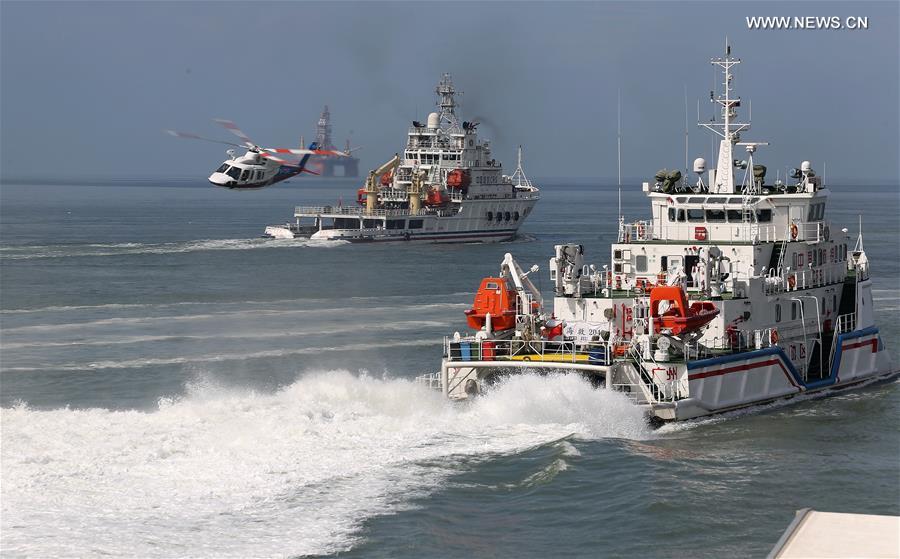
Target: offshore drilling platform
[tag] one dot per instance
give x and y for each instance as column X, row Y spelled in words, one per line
column 329, row 166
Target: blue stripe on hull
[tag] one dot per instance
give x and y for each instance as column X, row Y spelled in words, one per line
column 827, row 381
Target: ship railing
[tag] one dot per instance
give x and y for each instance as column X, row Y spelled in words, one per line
column 654, row 389
column 707, row 231
column 786, row 279
column 471, row 349
column 394, row 194
column 355, row 211
column 845, row 323
column 636, row 231
column 813, row 231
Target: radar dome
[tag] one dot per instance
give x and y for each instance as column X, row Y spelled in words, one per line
column 806, row 166
column 434, row 120
column 699, row 165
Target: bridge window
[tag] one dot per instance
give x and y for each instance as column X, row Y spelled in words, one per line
column 778, row 312
column 490, row 216
column 671, row 214
column 516, row 216
column 734, row 216
column 764, row 216
column 415, row 223
column 715, row 215
column 695, row 215
column 794, row 311
column 681, row 215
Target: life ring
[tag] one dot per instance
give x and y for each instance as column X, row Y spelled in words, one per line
column 794, row 231
column 792, row 281
column 827, row 233
column 773, row 336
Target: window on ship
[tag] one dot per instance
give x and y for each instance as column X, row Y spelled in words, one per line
column 695, row 215
column 715, row 215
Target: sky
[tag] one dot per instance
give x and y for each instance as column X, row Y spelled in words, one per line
column 86, row 88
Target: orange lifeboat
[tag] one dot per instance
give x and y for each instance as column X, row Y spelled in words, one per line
column 361, row 196
column 495, row 297
column 436, row 197
column 458, row 179
column 387, row 179
column 679, row 318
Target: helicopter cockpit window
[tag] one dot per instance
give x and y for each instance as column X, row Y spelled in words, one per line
column 223, row 168
column 233, row 172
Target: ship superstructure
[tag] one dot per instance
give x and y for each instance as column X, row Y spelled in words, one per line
column 734, row 292
column 446, row 186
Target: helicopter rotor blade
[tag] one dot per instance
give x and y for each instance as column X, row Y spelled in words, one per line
column 279, row 160
column 233, row 128
column 294, row 151
column 332, row 152
column 190, row 136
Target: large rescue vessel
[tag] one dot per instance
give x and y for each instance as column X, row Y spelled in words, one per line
column 737, row 292
column 445, row 187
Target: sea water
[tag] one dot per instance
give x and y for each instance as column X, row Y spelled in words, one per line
column 172, row 385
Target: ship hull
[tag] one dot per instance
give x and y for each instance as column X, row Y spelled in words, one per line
column 692, row 389
column 477, row 221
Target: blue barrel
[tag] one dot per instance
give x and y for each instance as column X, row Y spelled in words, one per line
column 466, row 351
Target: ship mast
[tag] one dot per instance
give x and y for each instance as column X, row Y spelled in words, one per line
column 447, row 102
column 729, row 129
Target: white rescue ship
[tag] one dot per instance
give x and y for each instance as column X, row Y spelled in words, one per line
column 445, row 187
column 736, row 293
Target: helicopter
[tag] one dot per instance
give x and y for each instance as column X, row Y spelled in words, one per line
column 258, row 167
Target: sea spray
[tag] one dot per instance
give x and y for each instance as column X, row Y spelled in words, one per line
column 293, row 472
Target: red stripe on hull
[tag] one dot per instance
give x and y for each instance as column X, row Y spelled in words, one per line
column 873, row 342
column 747, row 367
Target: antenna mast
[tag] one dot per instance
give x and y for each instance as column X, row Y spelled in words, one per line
column 729, row 129
column 619, row 149
column 686, row 168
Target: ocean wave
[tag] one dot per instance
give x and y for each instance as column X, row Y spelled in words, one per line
column 219, row 304
column 217, row 357
column 28, row 252
column 221, row 315
column 296, row 472
column 103, row 340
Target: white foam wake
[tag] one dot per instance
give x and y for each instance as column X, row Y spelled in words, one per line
column 28, row 252
column 231, row 473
